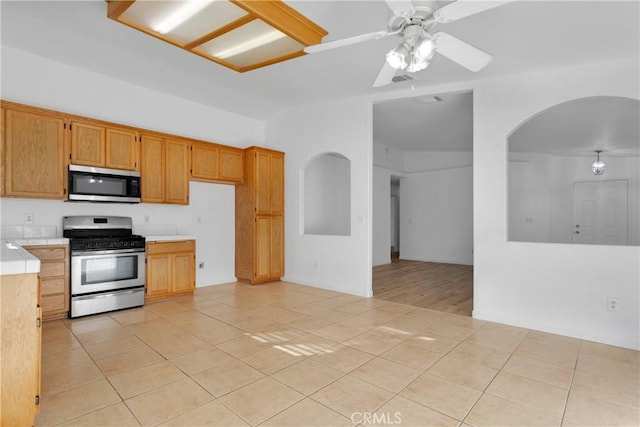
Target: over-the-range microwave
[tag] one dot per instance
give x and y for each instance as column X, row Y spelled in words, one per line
column 91, row 184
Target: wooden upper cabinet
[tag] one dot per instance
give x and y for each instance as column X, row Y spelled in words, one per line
column 177, row 171
column 216, row 163
column 152, row 175
column 204, row 161
column 122, row 149
column 231, row 164
column 34, row 154
column 276, row 187
column 164, row 172
column 106, row 147
column 38, row 145
column 269, row 182
column 87, row 144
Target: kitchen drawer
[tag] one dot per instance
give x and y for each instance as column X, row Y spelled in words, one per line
column 52, row 303
column 53, row 286
column 52, row 269
column 171, row 247
column 44, row 253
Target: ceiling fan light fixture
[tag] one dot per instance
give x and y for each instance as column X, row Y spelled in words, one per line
column 425, row 49
column 397, row 57
column 598, row 167
column 417, row 64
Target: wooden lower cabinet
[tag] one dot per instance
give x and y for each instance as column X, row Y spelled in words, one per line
column 171, row 269
column 21, row 331
column 269, row 237
column 54, row 279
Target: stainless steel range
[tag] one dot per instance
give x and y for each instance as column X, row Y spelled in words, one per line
column 107, row 264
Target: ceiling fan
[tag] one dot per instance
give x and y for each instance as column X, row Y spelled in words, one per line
column 414, row 21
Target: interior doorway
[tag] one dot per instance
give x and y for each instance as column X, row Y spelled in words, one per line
column 394, row 215
column 423, row 201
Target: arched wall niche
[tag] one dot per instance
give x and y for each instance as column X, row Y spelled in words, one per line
column 326, row 184
column 553, row 196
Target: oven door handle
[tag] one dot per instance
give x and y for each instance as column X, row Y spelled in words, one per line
column 107, row 252
column 109, row 294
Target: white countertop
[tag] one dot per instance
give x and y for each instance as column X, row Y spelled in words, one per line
column 16, row 260
column 170, row 237
column 41, row 241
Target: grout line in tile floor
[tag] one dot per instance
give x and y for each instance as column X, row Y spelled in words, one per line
column 435, row 368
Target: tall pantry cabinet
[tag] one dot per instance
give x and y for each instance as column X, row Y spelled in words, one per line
column 260, row 217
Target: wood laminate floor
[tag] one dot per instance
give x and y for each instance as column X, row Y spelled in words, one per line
column 436, row 286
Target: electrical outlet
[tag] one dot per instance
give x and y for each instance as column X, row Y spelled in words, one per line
column 613, row 304
column 146, row 219
column 28, row 218
column 201, row 265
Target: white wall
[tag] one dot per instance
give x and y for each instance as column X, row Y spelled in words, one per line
column 381, row 216
column 44, row 83
column 541, row 192
column 420, row 161
column 387, row 157
column 212, row 203
column 327, row 195
column 436, row 216
column 436, row 207
column 342, row 263
column 557, row 288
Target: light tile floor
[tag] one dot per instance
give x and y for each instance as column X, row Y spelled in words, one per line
column 282, row 354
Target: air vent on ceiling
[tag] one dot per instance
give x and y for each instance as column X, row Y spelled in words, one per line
column 401, row 78
column 431, row 99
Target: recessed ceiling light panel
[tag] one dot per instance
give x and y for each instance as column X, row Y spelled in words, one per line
column 242, row 35
column 253, row 43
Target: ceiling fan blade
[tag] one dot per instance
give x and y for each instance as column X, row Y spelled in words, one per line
column 385, row 75
column 348, row 41
column 463, row 8
column 400, row 7
column 461, row 52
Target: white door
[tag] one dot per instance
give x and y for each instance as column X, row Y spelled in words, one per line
column 600, row 212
